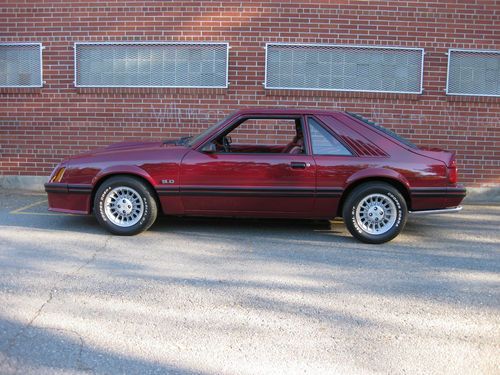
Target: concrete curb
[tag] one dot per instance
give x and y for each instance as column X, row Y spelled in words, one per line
column 35, row 183
column 30, row 183
column 483, row 194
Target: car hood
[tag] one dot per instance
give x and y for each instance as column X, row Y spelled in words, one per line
column 132, row 146
column 126, row 148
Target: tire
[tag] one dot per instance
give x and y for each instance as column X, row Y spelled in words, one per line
column 375, row 212
column 125, row 206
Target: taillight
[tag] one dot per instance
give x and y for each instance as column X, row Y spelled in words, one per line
column 58, row 175
column 453, row 172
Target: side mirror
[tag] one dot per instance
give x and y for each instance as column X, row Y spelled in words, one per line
column 209, row 148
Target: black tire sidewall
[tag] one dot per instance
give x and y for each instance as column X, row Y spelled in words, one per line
column 147, row 198
column 349, row 212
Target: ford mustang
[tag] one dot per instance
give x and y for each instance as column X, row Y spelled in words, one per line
column 273, row 163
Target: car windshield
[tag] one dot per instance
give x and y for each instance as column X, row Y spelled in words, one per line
column 195, row 139
column 386, row 131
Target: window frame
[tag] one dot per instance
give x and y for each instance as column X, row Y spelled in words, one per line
column 240, row 120
column 421, row 50
column 478, row 51
column 329, row 131
column 40, row 56
column 75, row 70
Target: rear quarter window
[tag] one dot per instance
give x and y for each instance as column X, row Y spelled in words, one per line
column 323, row 143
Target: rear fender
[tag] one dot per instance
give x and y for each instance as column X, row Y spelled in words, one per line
column 374, row 173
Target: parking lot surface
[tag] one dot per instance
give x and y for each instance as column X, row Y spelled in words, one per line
column 227, row 296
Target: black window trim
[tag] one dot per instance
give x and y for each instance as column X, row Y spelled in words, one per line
column 241, row 119
column 332, row 133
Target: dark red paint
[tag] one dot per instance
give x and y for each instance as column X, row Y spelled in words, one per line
column 191, row 182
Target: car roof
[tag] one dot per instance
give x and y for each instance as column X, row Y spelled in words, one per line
column 282, row 111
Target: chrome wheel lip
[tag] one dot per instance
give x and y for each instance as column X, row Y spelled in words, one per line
column 123, row 206
column 376, row 214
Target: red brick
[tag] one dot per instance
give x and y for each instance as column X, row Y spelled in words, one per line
column 38, row 127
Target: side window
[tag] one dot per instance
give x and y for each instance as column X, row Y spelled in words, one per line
column 323, row 143
column 263, row 135
column 264, row 131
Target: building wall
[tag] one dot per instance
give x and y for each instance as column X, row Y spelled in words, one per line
column 39, row 127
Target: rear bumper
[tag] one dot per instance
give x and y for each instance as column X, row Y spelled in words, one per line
column 436, row 198
column 69, row 198
column 439, row 211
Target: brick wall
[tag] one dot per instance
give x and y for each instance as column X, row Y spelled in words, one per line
column 39, row 127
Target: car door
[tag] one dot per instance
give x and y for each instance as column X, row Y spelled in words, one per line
column 248, row 183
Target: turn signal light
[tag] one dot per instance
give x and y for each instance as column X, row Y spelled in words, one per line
column 59, row 175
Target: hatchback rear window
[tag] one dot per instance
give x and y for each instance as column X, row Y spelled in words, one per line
column 386, row 131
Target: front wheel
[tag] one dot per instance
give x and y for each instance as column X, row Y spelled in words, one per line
column 375, row 212
column 125, row 206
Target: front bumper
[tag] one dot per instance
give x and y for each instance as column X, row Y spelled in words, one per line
column 69, row 198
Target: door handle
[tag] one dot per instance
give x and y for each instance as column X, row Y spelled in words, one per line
column 299, row 165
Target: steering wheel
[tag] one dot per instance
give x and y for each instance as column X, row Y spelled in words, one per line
column 226, row 144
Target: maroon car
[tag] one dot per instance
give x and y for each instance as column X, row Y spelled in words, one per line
column 280, row 163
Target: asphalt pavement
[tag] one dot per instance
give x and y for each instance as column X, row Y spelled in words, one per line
column 229, row 296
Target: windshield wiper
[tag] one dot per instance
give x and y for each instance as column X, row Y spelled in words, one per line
column 184, row 140
column 179, row 142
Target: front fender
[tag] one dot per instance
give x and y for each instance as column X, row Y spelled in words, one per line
column 122, row 169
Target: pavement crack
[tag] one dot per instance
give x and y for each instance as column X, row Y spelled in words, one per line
column 80, row 365
column 13, row 340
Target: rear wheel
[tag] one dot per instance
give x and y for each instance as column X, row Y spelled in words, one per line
column 125, row 205
column 375, row 212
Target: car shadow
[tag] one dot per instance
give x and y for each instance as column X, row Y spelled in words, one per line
column 38, row 217
column 425, row 227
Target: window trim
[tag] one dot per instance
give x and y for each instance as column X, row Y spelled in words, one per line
column 422, row 51
column 479, row 51
column 241, row 119
column 332, row 133
column 40, row 56
column 75, row 70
